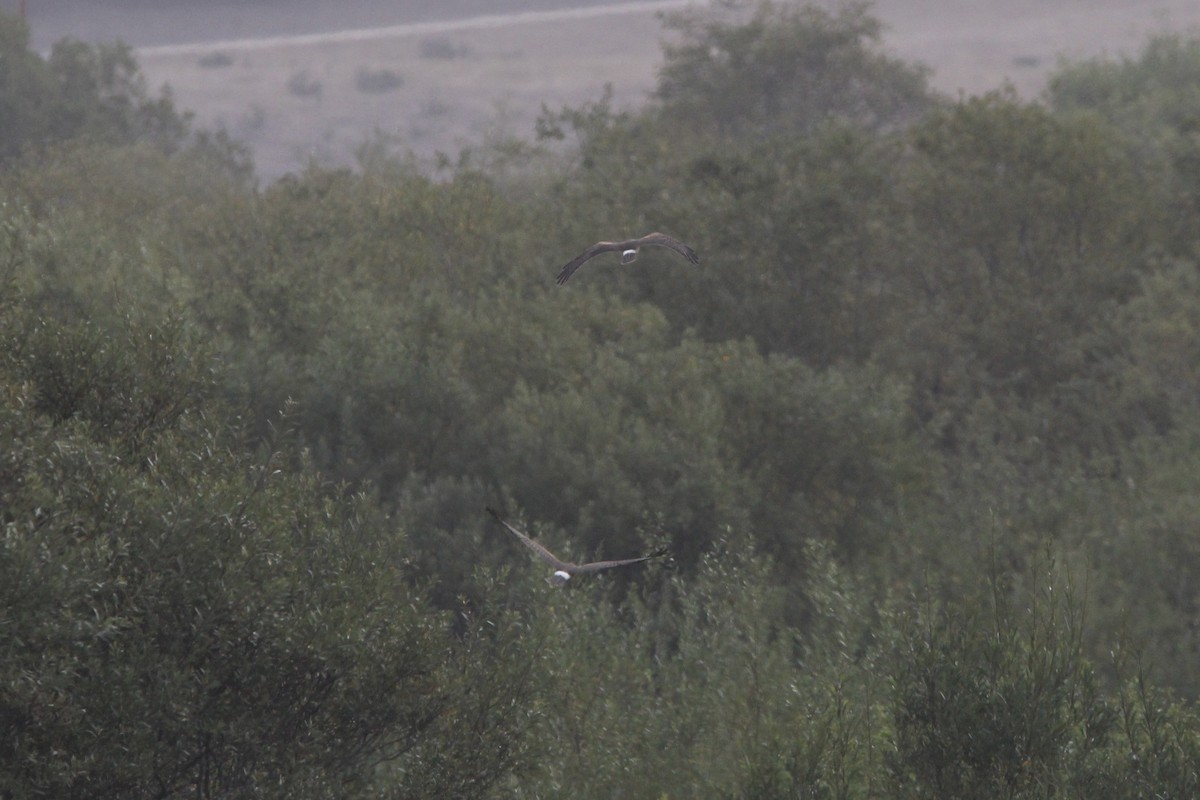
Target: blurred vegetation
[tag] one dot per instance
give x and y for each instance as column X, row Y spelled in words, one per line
column 920, row 431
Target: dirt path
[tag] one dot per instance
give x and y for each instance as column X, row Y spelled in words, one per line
column 153, row 23
column 477, row 23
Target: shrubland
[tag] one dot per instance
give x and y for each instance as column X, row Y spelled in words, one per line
column 920, row 432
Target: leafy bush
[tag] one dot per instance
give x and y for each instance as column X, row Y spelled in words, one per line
column 301, row 84
column 215, row 60
column 79, row 91
column 1152, row 99
column 786, row 67
column 377, row 81
column 183, row 618
column 442, row 47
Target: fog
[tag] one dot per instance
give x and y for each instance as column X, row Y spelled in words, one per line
column 299, row 100
column 145, row 23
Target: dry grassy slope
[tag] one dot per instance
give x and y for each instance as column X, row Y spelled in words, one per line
column 464, row 84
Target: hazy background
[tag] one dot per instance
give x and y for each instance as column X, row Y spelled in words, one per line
column 429, row 88
column 158, row 22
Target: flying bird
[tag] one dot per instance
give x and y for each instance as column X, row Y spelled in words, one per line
column 629, row 251
column 563, row 570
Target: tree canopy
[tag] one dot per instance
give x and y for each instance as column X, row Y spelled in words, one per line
column 919, row 431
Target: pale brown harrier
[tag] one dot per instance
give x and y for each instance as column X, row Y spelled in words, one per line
column 629, row 251
column 563, row 570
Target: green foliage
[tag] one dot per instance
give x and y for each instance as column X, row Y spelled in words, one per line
column 481, row 740
column 79, row 91
column 419, row 358
column 128, row 390
column 1149, row 555
column 181, row 618
column 692, row 436
column 997, row 698
column 249, row 434
column 1160, row 744
column 694, row 690
column 790, row 211
column 1154, row 101
column 1026, row 243
column 784, row 67
column 26, row 88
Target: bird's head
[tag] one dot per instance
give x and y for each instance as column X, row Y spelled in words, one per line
column 628, row 255
column 559, row 578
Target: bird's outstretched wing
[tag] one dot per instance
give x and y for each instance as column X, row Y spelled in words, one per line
column 662, row 240
column 566, row 566
column 657, row 239
column 542, row 552
column 578, row 261
column 596, row 566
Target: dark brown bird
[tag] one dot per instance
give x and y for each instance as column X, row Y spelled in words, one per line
column 563, row 570
column 629, row 251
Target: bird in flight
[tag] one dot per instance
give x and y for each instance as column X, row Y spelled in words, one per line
column 629, row 251
column 563, row 570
